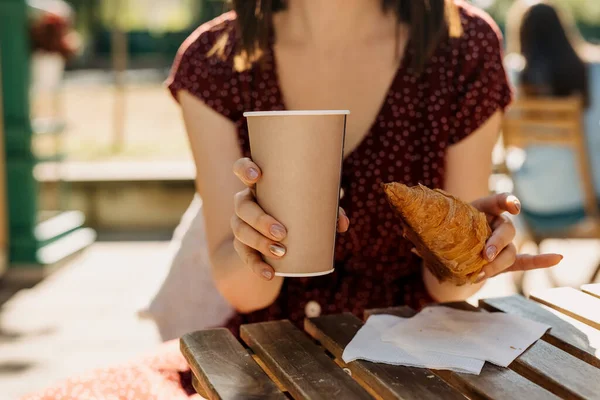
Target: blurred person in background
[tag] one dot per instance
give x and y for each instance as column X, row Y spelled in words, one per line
column 549, row 58
column 51, row 28
column 425, row 83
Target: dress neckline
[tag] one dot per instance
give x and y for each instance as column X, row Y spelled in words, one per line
column 402, row 70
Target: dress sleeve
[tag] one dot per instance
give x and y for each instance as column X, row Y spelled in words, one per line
column 481, row 85
column 205, row 73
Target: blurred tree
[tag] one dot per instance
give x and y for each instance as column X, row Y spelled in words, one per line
column 153, row 26
column 161, row 16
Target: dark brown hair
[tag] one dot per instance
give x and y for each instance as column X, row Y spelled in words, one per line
column 429, row 21
column 552, row 65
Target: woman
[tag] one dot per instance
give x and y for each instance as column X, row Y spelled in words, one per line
column 426, row 102
column 551, row 64
column 554, row 61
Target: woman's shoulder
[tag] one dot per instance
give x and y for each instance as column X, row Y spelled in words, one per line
column 204, row 66
column 213, row 41
column 478, row 47
column 478, row 27
column 474, row 19
column 467, row 67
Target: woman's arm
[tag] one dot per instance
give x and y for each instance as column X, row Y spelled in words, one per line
column 215, row 149
column 468, row 168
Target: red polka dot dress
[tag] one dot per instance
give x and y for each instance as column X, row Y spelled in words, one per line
column 462, row 85
column 460, row 88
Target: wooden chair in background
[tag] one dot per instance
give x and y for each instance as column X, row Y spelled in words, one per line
column 555, row 121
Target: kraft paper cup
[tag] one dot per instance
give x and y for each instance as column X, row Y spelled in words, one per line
column 300, row 154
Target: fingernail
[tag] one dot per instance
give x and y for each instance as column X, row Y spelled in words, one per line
column 490, row 253
column 516, row 202
column 252, row 173
column 343, row 212
column 277, row 250
column 480, row 277
column 277, row 231
column 267, row 274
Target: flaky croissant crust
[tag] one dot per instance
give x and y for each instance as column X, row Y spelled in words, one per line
column 447, row 232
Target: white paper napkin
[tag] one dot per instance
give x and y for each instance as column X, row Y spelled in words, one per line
column 495, row 337
column 367, row 345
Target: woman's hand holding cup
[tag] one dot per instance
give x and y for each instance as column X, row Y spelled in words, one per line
column 255, row 231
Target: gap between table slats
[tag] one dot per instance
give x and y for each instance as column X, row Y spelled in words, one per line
column 198, row 386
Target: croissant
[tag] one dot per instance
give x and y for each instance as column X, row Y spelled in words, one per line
column 447, row 233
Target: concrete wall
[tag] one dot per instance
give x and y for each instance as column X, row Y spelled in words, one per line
column 122, row 205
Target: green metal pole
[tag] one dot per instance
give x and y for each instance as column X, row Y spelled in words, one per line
column 22, row 188
column 33, row 243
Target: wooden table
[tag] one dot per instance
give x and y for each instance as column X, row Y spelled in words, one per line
column 279, row 361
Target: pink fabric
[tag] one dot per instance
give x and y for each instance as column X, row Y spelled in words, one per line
column 154, row 377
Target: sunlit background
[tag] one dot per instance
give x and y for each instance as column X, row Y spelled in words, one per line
column 99, row 175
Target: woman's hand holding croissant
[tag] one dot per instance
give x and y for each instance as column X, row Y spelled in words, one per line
column 499, row 249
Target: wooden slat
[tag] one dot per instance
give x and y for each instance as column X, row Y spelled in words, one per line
column 551, row 125
column 554, row 104
column 523, row 141
column 224, row 368
column 566, row 333
column 496, row 383
column 493, row 382
column 299, row 364
column 558, row 371
column 334, row 332
column 592, row 289
column 576, row 304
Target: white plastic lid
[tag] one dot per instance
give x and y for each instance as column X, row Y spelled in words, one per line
column 291, row 113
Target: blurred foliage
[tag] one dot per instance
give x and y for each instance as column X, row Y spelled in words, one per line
column 584, row 11
column 161, row 16
column 157, row 16
column 154, row 27
column 159, row 26
column 177, row 15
